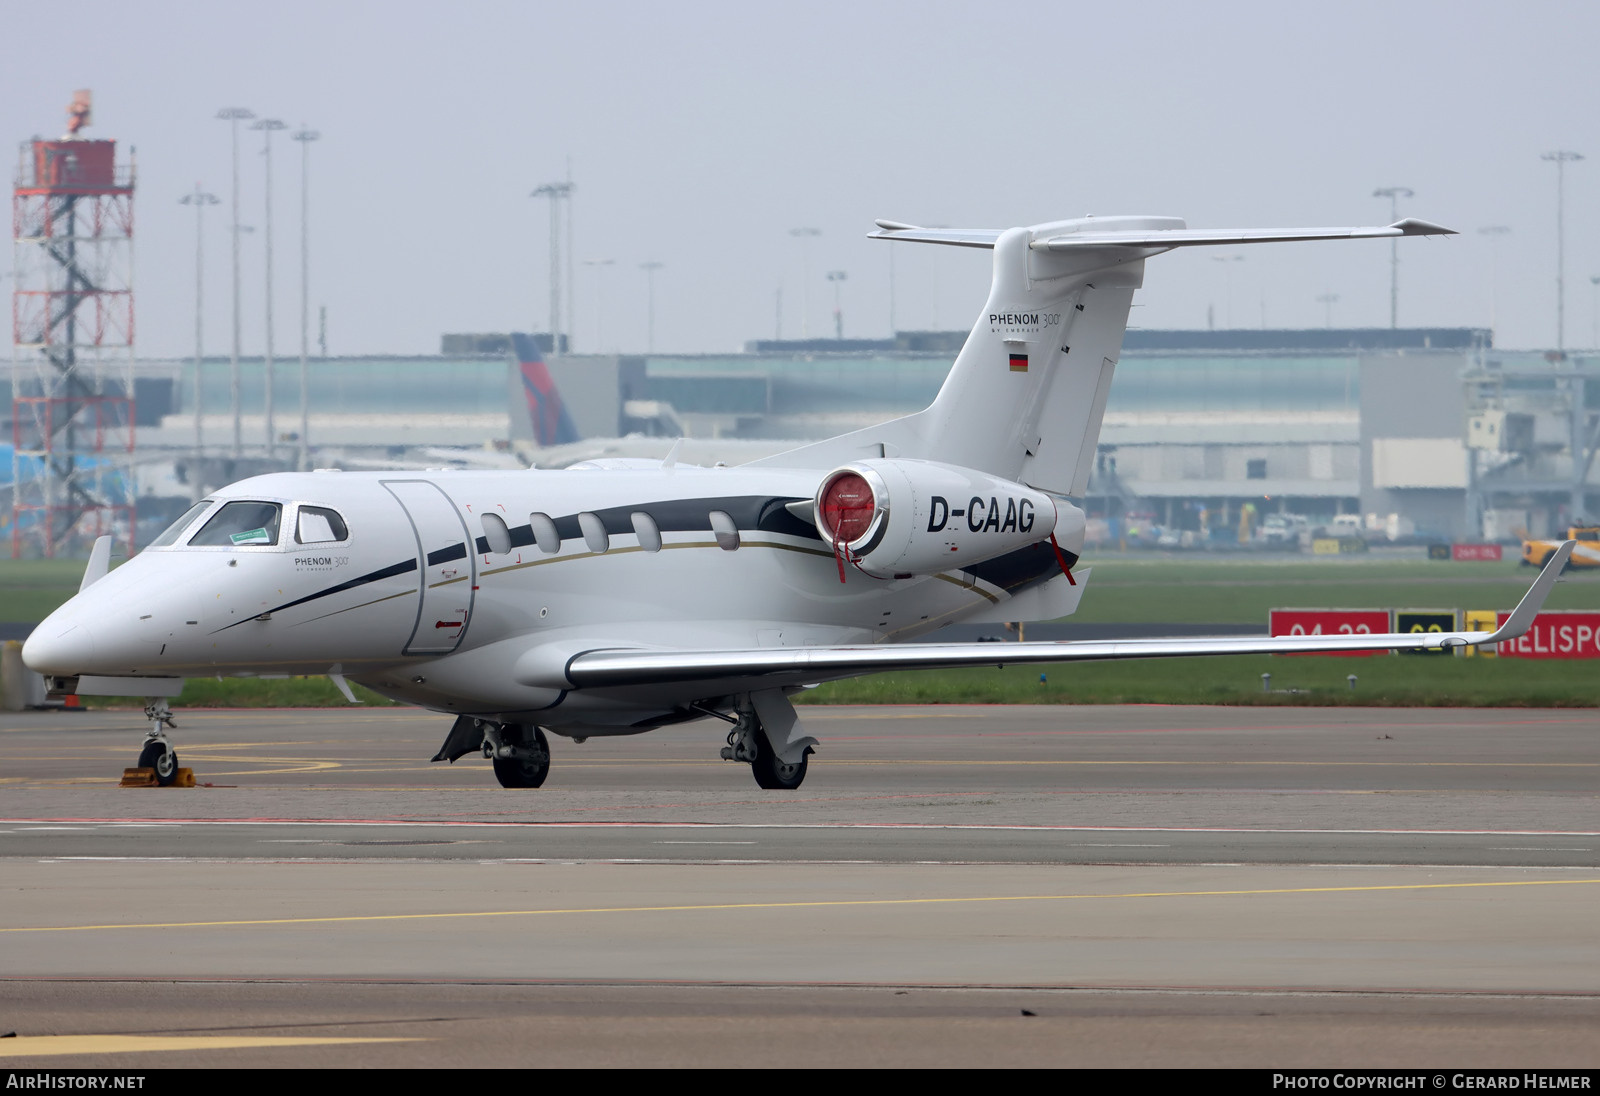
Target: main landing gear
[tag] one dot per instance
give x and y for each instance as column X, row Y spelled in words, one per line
column 519, row 751
column 767, row 735
column 158, row 753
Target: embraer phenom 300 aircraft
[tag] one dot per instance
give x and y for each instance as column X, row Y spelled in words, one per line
column 620, row 596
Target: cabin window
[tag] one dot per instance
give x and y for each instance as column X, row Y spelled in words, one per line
column 240, row 525
column 318, row 525
column 646, row 529
column 496, row 533
column 544, row 533
column 594, row 532
column 179, row 527
column 725, row 530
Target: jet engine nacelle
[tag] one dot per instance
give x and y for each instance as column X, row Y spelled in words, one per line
column 895, row 518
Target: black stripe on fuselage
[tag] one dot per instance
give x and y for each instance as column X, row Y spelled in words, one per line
column 754, row 512
column 750, row 513
column 391, row 571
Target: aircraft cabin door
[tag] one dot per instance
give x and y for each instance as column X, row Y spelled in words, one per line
column 446, row 563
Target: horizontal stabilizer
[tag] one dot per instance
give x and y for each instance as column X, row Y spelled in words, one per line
column 1087, row 234
column 1197, row 237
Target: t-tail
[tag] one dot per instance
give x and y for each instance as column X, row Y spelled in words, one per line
column 552, row 425
column 1026, row 395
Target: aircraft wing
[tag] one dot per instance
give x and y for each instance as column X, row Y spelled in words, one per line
column 782, row 667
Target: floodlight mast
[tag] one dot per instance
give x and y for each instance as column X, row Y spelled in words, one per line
column 556, row 192
column 305, row 137
column 1493, row 232
column 199, row 199
column 650, row 269
column 1394, row 194
column 234, row 115
column 267, row 126
column 805, row 236
column 1561, row 158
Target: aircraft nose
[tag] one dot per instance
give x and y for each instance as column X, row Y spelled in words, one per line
column 60, row 650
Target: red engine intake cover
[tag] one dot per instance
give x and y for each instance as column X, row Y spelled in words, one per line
column 847, row 508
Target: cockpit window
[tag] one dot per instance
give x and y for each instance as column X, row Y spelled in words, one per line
column 317, row 525
column 239, row 524
column 177, row 528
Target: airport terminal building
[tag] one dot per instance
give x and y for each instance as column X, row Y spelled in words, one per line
column 1426, row 432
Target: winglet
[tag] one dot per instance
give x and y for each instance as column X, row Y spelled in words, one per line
column 1521, row 618
column 99, row 563
column 1412, row 226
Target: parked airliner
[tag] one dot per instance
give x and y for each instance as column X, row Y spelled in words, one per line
column 621, row 595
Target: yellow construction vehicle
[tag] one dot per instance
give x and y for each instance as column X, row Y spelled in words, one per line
column 1586, row 554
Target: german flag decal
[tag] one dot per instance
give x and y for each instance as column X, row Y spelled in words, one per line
column 1019, row 363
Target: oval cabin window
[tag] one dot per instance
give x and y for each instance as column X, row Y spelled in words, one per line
column 544, row 533
column 594, row 532
column 646, row 529
column 725, row 530
column 496, row 533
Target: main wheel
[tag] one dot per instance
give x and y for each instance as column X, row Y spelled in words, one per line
column 525, row 772
column 773, row 774
column 163, row 759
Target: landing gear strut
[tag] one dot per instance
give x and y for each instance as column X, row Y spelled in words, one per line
column 158, row 753
column 767, row 735
column 520, row 753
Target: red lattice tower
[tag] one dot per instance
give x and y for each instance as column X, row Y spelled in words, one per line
column 72, row 409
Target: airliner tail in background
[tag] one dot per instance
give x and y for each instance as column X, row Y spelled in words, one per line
column 552, row 425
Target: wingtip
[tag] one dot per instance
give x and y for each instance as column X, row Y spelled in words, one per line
column 1412, row 226
column 1521, row 618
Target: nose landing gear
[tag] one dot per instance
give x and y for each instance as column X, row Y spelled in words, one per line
column 158, row 753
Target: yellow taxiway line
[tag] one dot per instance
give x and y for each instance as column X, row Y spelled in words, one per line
column 813, row 904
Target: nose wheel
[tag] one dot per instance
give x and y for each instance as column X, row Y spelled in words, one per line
column 157, row 752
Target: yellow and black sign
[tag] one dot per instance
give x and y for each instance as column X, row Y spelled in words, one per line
column 1481, row 620
column 1407, row 621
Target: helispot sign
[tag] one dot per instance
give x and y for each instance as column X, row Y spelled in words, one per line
column 1560, row 633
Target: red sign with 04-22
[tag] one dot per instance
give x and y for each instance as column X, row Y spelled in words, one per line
column 1329, row 622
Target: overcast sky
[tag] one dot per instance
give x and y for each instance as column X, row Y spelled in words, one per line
column 699, row 134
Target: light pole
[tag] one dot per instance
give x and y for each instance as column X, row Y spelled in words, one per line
column 1328, row 300
column 1561, row 158
column 234, row 115
column 305, row 137
column 1594, row 311
column 837, row 277
column 1493, row 232
column 805, row 236
column 1227, row 280
column 267, row 126
column 555, row 192
column 199, row 199
column 598, row 266
column 650, row 269
column 1394, row 194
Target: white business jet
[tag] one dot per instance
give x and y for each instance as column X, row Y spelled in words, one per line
column 620, row 596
